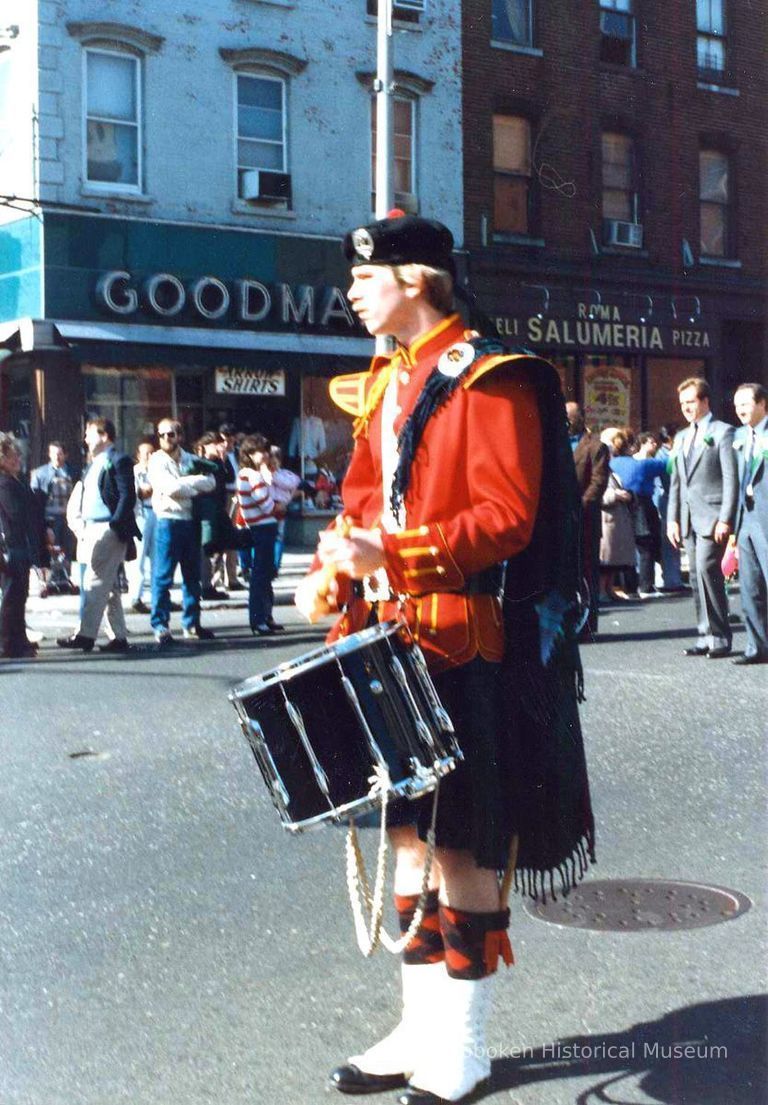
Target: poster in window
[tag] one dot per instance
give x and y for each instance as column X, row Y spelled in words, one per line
column 607, row 396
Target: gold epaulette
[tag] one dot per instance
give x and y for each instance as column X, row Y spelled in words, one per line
column 348, row 392
column 379, row 381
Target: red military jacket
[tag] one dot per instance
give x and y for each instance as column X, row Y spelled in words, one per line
column 472, row 499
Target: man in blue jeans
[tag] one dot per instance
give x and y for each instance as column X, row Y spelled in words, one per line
column 174, row 482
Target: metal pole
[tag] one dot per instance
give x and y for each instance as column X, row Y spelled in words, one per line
column 384, row 122
column 383, row 88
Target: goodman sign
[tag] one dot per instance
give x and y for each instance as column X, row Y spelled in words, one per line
column 164, row 297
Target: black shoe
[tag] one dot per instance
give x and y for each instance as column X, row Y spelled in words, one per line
column 198, row 633
column 26, row 652
column 174, row 607
column 236, row 587
column 139, row 607
column 263, row 630
column 117, row 644
column 414, row 1096
column 77, row 640
column 213, row 593
column 276, row 627
column 350, row 1079
column 755, row 658
column 697, row 650
column 718, row 653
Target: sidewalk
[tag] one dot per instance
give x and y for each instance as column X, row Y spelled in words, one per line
column 47, row 614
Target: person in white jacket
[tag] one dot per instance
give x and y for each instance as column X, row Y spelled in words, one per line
column 174, row 482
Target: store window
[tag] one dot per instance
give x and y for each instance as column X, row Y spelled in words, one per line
column 617, row 32
column 320, row 446
column 512, row 22
column 404, row 160
column 663, row 374
column 511, row 174
column 710, row 38
column 612, row 391
column 714, row 203
column 261, row 138
column 113, row 120
column 135, row 399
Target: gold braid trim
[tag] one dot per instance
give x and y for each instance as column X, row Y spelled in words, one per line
column 375, row 395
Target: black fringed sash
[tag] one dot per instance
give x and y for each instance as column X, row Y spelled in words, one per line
column 437, row 390
column 541, row 668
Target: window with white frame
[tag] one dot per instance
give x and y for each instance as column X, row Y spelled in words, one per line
column 511, row 174
column 113, row 120
column 714, row 203
column 410, row 11
column 710, row 38
column 261, row 129
column 404, row 159
column 617, row 32
column 619, row 194
column 512, row 22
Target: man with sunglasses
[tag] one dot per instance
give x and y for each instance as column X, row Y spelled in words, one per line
column 175, row 483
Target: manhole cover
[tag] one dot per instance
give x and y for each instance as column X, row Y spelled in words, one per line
column 641, row 905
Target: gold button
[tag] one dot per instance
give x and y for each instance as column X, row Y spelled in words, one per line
column 405, row 377
column 434, row 550
column 440, row 570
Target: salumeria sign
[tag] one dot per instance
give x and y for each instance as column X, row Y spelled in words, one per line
column 598, row 327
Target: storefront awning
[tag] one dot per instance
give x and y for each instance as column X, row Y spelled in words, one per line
column 197, row 337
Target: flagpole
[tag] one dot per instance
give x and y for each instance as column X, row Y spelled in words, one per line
column 383, row 89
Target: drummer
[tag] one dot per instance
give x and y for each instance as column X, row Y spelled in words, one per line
column 461, row 464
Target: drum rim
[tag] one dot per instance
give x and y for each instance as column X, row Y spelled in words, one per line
column 306, row 661
column 404, row 789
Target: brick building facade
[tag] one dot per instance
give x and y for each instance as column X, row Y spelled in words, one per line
column 615, row 195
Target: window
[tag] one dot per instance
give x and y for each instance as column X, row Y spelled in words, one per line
column 512, row 21
column 113, row 120
column 617, row 32
column 260, row 129
column 710, row 41
column 409, row 11
column 619, row 178
column 404, row 112
column 714, row 203
column 511, row 174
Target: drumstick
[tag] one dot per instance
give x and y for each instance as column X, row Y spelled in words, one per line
column 311, row 598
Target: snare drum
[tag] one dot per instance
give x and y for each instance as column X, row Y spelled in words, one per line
column 319, row 726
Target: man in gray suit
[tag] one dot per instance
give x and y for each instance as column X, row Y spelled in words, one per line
column 751, row 445
column 701, row 513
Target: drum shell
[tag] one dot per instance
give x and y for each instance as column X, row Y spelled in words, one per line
column 361, row 702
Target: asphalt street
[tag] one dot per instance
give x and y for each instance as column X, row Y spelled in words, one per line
column 163, row 941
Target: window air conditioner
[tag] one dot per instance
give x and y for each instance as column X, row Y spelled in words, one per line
column 616, row 25
column 259, row 184
column 618, row 233
column 411, row 5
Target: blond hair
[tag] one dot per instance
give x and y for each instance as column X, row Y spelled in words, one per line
column 438, row 284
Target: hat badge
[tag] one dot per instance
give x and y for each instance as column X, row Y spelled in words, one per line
column 453, row 362
column 363, row 243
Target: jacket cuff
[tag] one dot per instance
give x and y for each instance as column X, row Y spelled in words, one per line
column 419, row 562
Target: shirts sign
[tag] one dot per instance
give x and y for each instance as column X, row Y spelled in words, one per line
column 249, row 381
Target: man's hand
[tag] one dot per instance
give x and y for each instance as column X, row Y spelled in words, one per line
column 674, row 535
column 722, row 531
column 315, row 596
column 357, row 555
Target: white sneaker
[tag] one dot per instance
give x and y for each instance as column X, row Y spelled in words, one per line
column 164, row 637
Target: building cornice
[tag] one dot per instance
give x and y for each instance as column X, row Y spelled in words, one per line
column 121, row 34
column 287, row 65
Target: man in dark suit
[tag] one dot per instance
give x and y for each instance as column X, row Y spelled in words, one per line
column 751, row 404
column 592, row 460
column 702, row 511
column 108, row 510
